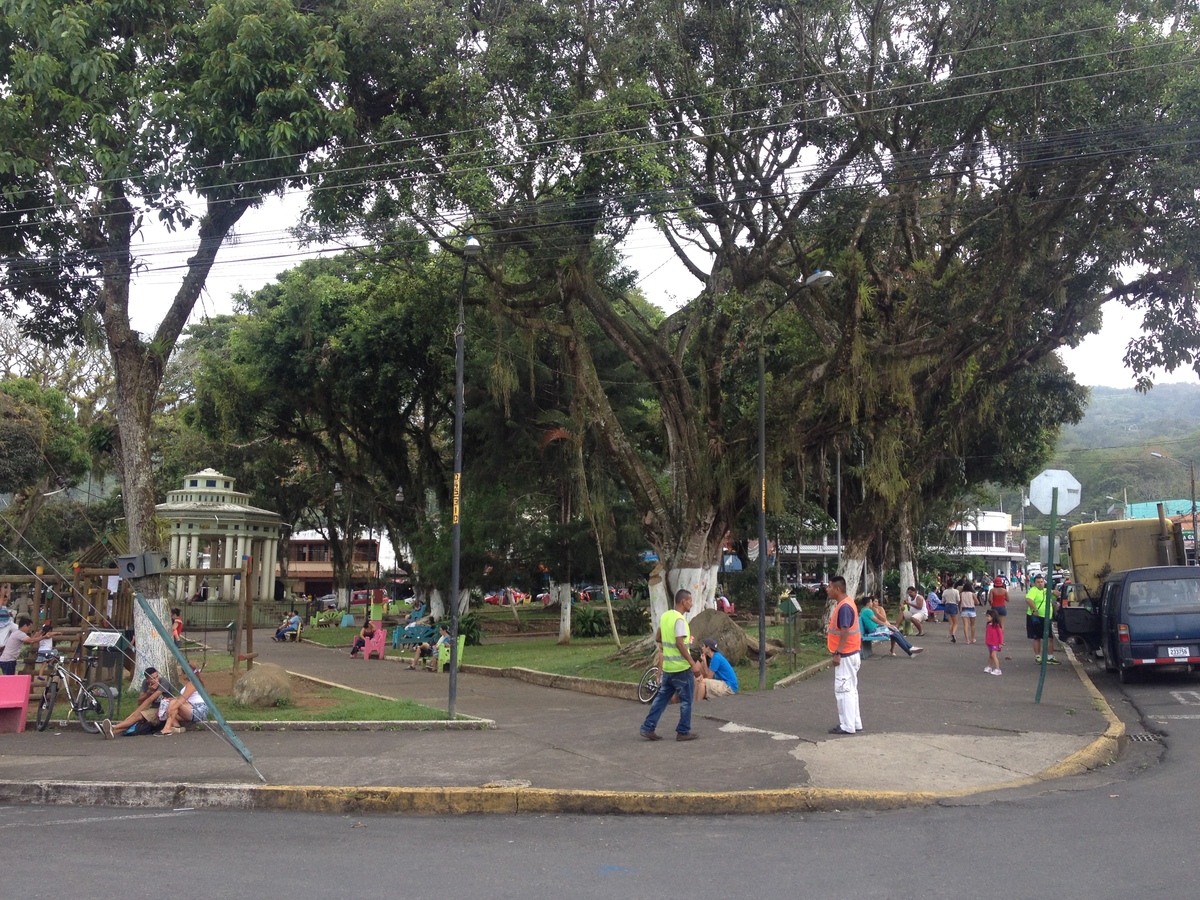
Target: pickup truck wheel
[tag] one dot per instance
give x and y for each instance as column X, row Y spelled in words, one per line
column 1108, row 664
column 1125, row 673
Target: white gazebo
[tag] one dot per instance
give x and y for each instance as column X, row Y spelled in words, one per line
column 212, row 525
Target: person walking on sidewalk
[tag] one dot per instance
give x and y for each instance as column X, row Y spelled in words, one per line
column 993, row 636
column 950, row 597
column 1037, row 601
column 844, row 640
column 678, row 670
column 966, row 610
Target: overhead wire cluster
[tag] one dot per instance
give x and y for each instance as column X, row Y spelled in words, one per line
column 923, row 165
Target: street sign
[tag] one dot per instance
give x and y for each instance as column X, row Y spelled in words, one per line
column 1041, row 491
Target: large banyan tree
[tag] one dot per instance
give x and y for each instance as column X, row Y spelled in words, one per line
column 981, row 178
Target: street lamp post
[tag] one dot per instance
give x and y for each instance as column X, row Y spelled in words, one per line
column 1191, row 466
column 816, row 279
column 470, row 252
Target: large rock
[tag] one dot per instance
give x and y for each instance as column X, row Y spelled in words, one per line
column 265, row 685
column 731, row 640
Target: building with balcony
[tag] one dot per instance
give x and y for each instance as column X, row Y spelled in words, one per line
column 310, row 564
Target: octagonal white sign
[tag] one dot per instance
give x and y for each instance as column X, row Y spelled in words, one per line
column 1041, row 491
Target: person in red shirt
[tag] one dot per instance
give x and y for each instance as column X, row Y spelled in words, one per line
column 998, row 597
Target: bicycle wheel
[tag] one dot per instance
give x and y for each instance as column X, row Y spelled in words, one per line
column 648, row 686
column 46, row 707
column 93, row 704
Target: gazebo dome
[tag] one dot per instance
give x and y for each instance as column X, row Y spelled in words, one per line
column 208, row 517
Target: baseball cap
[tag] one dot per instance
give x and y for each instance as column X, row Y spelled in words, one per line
column 710, row 643
column 999, row 582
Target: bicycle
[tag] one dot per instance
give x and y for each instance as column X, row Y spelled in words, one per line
column 648, row 686
column 91, row 703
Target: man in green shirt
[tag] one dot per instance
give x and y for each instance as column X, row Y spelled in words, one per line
column 1038, row 608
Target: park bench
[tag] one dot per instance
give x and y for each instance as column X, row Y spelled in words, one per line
column 867, row 640
column 14, row 702
column 375, row 643
column 296, row 635
column 413, row 635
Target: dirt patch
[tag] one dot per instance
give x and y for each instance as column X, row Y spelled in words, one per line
column 305, row 694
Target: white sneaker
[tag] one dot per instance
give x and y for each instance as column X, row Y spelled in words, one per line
column 988, row 669
column 996, row 672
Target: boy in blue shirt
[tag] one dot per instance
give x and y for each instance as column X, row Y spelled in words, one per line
column 719, row 679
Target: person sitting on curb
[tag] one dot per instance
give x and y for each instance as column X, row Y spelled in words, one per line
column 428, row 652
column 189, row 706
column 875, row 623
column 718, row 678
column 154, row 689
column 915, row 610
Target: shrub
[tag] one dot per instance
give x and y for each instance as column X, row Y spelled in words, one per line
column 470, row 626
column 633, row 617
column 589, row 621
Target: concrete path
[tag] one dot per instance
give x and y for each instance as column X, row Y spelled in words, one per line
column 935, row 725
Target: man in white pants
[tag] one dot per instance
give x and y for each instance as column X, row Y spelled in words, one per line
column 844, row 641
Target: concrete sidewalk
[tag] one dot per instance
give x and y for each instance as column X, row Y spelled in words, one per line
column 935, row 725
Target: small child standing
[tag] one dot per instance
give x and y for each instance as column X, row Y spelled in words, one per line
column 45, row 650
column 993, row 636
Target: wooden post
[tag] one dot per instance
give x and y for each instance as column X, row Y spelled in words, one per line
column 248, row 616
column 237, row 640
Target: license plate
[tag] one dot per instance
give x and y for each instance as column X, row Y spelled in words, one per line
column 1178, row 652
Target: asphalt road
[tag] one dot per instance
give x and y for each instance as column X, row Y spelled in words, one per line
column 1124, row 830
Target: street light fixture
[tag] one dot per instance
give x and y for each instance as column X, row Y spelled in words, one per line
column 1191, row 467
column 818, row 278
column 470, row 251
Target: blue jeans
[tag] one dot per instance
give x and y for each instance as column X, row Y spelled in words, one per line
column 901, row 640
column 670, row 684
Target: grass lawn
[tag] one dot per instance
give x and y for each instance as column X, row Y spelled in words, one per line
column 311, row 702
column 332, row 637
column 588, row 658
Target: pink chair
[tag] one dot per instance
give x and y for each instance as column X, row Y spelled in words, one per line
column 376, row 643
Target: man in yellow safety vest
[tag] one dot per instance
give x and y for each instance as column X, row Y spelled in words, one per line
column 678, row 670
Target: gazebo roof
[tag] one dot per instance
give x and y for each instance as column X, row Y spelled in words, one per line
column 209, row 493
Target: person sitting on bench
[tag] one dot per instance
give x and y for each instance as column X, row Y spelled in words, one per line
column 875, row 624
column 427, row 650
column 364, row 638
column 288, row 625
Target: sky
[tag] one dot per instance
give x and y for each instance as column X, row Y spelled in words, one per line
column 263, row 249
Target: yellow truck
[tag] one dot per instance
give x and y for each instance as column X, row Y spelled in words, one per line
column 1137, row 602
column 1099, row 549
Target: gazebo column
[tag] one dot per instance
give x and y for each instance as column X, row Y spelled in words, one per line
column 173, row 588
column 193, row 553
column 228, row 544
column 268, row 548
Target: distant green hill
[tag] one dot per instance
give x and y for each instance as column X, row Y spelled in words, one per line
column 1109, row 451
column 1121, row 417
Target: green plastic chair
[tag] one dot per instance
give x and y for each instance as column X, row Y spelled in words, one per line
column 444, row 652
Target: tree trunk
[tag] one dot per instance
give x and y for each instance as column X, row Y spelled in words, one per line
column 562, row 593
column 908, row 572
column 701, row 580
column 853, row 564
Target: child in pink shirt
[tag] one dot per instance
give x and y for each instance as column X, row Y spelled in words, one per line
column 993, row 636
